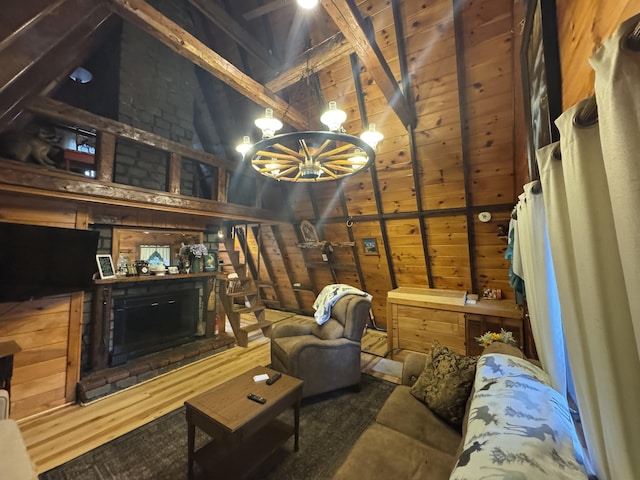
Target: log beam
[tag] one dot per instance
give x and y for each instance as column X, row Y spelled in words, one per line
column 225, row 22
column 47, row 183
column 62, row 112
column 311, row 61
column 352, row 27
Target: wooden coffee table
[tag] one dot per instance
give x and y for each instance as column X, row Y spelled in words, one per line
column 244, row 433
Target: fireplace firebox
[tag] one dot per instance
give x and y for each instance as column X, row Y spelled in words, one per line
column 150, row 323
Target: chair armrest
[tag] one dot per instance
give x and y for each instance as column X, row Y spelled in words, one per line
column 412, row 368
column 293, row 327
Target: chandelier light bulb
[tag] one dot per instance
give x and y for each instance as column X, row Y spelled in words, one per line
column 358, row 159
column 333, row 118
column 307, row 4
column 371, row 136
column 244, row 146
column 274, row 167
column 268, row 124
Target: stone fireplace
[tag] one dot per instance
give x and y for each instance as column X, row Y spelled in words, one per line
column 146, row 326
column 150, row 323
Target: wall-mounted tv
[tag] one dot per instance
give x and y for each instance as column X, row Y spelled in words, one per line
column 40, row 261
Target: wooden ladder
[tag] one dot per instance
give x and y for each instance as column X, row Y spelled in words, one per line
column 243, row 286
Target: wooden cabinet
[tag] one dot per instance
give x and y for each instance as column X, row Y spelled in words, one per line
column 418, row 316
column 476, row 325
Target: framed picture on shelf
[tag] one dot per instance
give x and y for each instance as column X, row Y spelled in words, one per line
column 541, row 78
column 370, row 246
column 210, row 262
column 105, row 266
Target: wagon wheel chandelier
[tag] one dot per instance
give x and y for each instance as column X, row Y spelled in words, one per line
column 310, row 156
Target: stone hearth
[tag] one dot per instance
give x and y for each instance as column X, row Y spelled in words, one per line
column 101, row 383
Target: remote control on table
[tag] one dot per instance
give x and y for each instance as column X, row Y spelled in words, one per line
column 257, row 398
column 274, row 378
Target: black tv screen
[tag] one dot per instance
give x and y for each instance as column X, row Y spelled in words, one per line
column 39, row 261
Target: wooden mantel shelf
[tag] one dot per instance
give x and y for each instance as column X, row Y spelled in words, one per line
column 151, row 278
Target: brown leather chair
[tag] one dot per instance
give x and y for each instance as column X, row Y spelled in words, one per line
column 326, row 357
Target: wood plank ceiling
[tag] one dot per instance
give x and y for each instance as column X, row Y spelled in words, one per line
column 438, row 78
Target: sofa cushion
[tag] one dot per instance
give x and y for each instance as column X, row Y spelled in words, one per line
column 445, row 383
column 404, row 413
column 330, row 330
column 384, row 453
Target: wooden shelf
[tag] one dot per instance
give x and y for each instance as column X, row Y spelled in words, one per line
column 349, row 267
column 152, row 278
column 322, row 244
column 302, row 288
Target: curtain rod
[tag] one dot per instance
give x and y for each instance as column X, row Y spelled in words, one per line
column 587, row 115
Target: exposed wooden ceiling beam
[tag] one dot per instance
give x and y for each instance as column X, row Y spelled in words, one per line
column 145, row 17
column 311, row 61
column 370, row 55
column 225, row 22
column 264, row 9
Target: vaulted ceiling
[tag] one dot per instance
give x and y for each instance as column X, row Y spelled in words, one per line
column 439, row 79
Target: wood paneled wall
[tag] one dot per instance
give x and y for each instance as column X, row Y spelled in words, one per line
column 47, row 330
column 429, row 188
column 582, row 27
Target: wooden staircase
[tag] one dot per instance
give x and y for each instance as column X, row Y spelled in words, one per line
column 243, row 288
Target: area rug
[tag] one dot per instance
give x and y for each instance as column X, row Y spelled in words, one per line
column 329, row 425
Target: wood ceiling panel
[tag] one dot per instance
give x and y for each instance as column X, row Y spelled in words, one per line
column 496, row 189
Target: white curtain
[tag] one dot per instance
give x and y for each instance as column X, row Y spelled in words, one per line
column 539, row 279
column 591, row 201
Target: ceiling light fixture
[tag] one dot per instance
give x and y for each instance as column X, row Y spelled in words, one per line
column 81, row 75
column 307, row 4
column 310, row 156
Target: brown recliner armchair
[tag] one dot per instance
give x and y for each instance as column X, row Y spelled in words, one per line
column 326, row 357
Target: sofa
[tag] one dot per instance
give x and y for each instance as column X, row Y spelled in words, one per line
column 16, row 464
column 513, row 425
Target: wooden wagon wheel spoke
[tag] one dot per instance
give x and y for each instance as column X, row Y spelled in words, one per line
column 284, row 156
column 325, row 144
column 285, row 149
column 335, row 151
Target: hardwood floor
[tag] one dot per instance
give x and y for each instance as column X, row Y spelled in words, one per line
column 59, row 435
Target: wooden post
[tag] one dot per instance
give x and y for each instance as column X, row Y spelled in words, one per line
column 105, row 156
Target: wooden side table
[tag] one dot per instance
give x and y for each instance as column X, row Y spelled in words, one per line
column 244, row 433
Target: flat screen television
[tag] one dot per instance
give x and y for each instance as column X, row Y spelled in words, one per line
column 40, row 261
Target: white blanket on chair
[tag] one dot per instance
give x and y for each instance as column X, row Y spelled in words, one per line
column 329, row 296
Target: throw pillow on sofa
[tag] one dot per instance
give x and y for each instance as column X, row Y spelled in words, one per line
column 445, row 383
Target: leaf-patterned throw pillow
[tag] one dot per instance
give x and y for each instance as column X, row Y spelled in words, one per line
column 445, row 383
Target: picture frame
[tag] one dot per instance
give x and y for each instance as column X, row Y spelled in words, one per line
column 308, row 231
column 370, row 246
column 105, row 266
column 541, row 78
column 210, row 262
